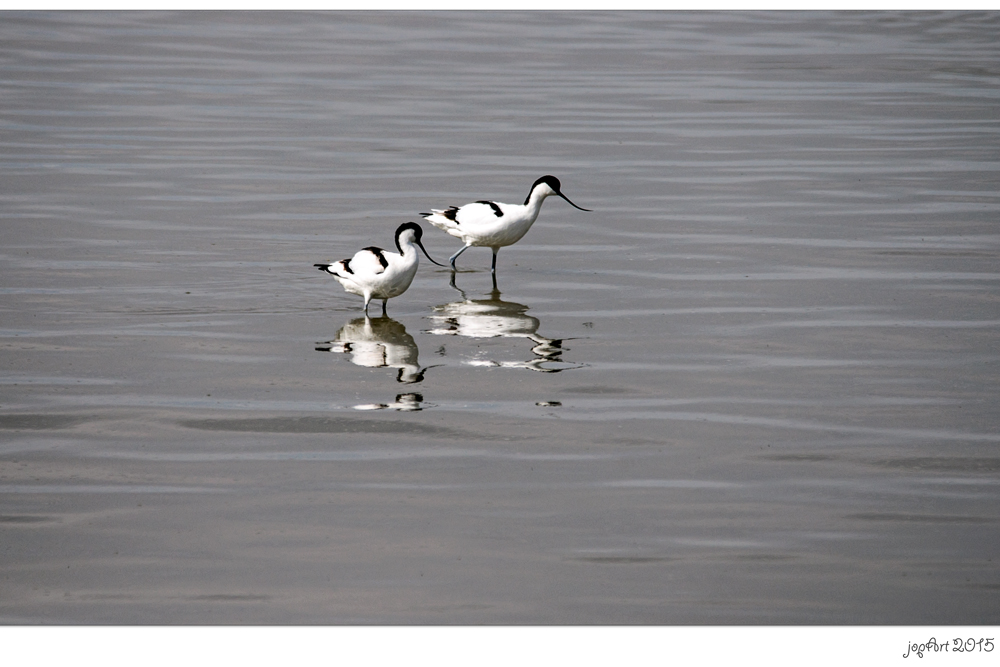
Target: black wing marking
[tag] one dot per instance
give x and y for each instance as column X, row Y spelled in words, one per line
column 452, row 214
column 496, row 209
column 378, row 253
column 328, row 268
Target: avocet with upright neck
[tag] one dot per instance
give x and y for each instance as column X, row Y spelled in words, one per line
column 374, row 273
column 492, row 224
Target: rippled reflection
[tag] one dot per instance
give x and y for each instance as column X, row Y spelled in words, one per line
column 411, row 402
column 492, row 318
column 379, row 342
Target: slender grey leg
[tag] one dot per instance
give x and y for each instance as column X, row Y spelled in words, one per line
column 455, row 256
column 384, row 301
column 494, row 269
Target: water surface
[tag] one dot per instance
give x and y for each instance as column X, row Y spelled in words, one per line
column 756, row 385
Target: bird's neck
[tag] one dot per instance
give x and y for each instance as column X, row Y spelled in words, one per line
column 534, row 201
column 407, row 248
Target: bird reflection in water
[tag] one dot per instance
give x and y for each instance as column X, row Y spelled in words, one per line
column 379, row 342
column 411, row 402
column 492, row 318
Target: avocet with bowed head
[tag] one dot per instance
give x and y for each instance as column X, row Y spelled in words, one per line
column 494, row 225
column 378, row 343
column 374, row 273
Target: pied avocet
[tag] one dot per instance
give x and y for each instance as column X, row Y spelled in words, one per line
column 374, row 273
column 492, row 224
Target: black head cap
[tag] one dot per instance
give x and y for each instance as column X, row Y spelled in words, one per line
column 553, row 183
column 550, row 181
column 417, row 233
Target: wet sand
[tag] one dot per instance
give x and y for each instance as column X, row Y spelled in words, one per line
column 757, row 385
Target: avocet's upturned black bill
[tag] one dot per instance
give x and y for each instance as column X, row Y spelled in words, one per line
column 374, row 273
column 492, row 224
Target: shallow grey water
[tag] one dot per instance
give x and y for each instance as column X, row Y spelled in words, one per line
column 756, row 385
